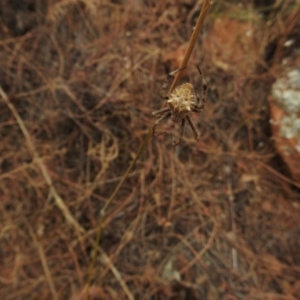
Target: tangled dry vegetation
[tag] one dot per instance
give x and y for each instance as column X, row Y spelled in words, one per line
column 213, row 219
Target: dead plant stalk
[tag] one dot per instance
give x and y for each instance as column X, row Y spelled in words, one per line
column 191, row 45
column 39, row 161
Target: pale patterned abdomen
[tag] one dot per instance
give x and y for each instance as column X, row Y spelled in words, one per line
column 182, row 98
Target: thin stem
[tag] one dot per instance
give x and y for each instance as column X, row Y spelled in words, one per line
column 39, row 161
column 192, row 42
column 103, row 210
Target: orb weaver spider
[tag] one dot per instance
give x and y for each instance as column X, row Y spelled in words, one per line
column 181, row 102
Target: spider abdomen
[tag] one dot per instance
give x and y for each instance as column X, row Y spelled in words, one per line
column 181, row 101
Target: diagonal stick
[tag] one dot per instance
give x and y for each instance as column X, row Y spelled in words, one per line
column 30, row 145
column 192, row 42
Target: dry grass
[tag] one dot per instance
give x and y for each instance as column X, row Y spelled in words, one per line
column 213, row 219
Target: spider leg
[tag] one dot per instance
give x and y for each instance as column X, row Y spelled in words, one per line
column 162, row 92
column 163, row 117
column 197, row 109
column 181, row 133
column 161, row 111
column 193, row 127
column 200, row 103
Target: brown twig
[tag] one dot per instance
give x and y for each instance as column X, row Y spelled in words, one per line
column 44, row 262
column 58, row 200
column 186, row 58
column 107, row 261
column 192, row 42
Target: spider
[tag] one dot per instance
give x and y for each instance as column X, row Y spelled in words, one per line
column 182, row 101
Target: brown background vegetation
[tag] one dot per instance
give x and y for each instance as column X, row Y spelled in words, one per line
column 216, row 218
